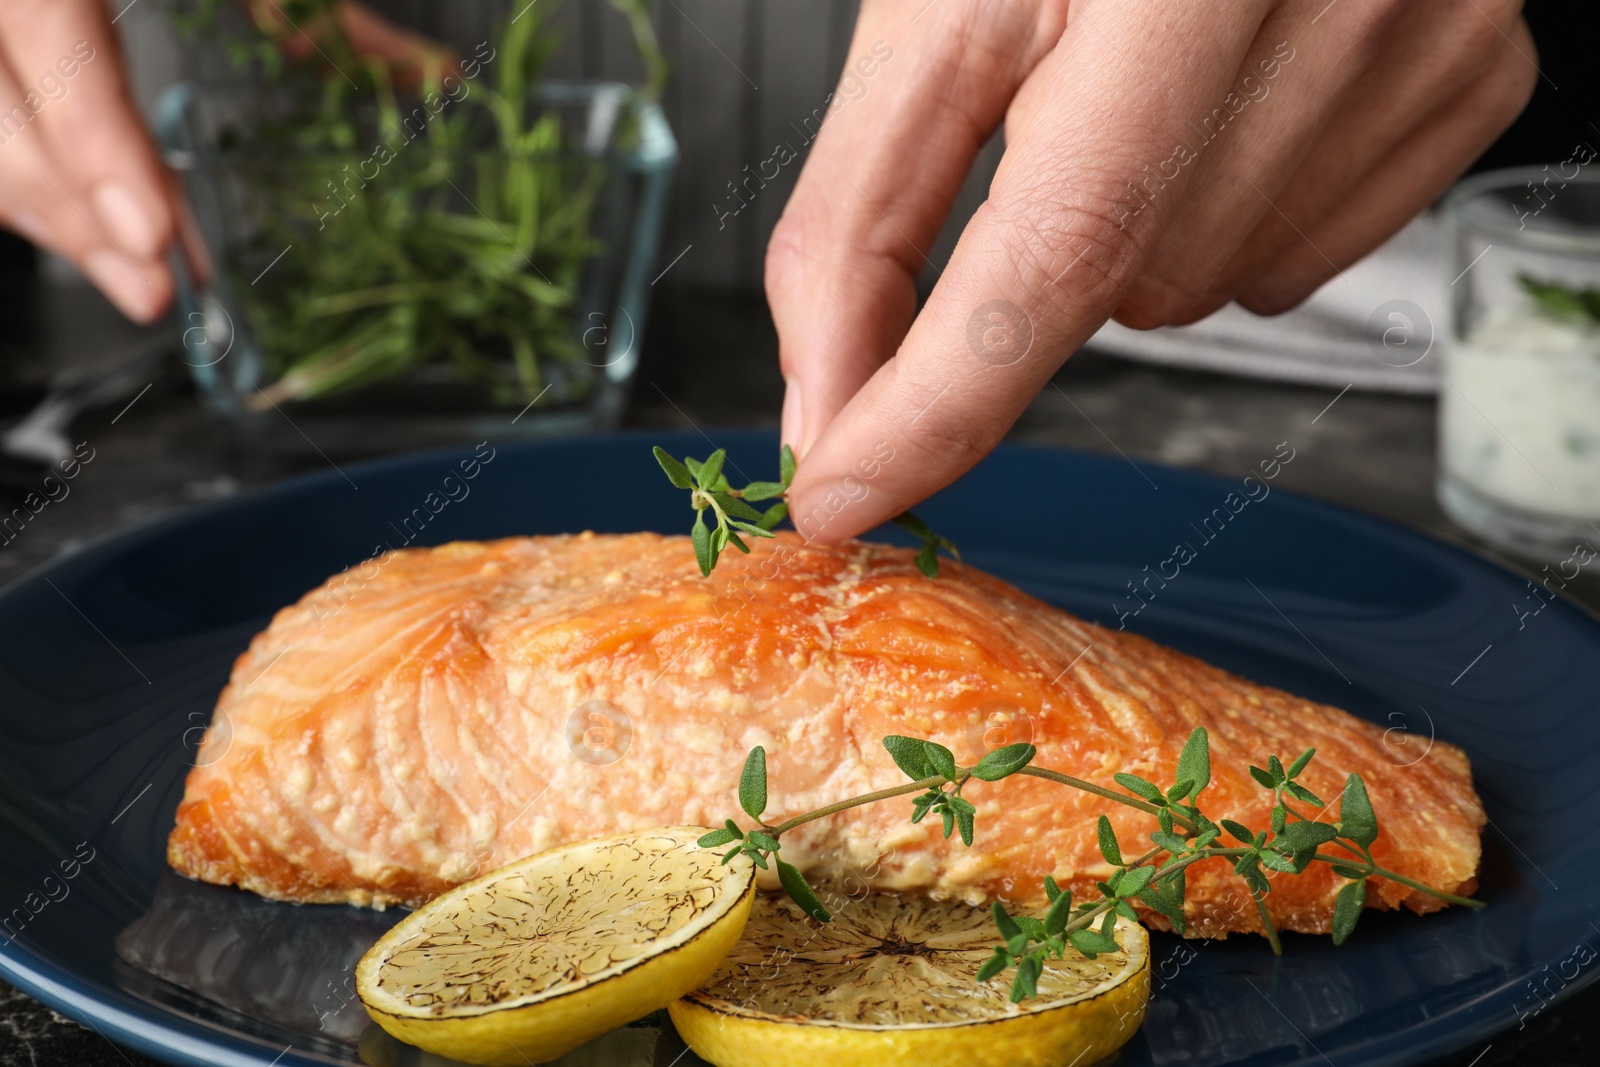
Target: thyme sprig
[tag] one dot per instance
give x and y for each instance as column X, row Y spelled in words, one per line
column 1156, row 879
column 710, row 490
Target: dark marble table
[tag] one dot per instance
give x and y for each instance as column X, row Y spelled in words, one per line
column 712, row 361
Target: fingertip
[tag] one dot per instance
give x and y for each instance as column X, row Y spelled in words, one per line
column 140, row 225
column 812, row 519
column 835, row 504
column 29, row 226
column 140, row 291
column 1280, row 294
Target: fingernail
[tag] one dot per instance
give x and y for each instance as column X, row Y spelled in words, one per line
column 127, row 224
column 133, row 294
column 793, row 429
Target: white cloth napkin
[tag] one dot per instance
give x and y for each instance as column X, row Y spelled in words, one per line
column 1335, row 338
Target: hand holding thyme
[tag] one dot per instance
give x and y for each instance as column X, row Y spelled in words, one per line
column 1155, row 879
column 709, row 490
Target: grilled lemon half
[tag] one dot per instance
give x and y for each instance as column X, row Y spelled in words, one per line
column 532, row 960
column 893, row 981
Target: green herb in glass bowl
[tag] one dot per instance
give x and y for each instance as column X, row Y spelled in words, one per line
column 448, row 235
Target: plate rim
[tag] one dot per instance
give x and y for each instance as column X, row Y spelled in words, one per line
column 199, row 1044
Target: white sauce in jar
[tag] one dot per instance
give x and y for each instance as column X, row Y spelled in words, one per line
column 1520, row 411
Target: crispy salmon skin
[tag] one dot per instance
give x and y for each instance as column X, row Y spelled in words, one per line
column 438, row 712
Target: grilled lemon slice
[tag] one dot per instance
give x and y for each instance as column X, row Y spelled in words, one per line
column 892, row 981
column 536, row 958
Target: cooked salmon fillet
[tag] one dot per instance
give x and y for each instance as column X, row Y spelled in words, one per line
column 438, row 712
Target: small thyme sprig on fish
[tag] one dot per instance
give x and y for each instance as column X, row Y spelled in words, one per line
column 709, row 490
column 1184, row 836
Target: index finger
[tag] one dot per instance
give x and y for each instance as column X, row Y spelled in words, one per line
column 66, row 55
column 89, row 171
column 1042, row 264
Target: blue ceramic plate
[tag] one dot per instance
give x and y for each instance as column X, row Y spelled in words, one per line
column 111, row 660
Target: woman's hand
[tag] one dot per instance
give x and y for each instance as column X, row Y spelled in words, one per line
column 1163, row 157
column 78, row 172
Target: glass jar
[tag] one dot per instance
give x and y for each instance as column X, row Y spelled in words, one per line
column 1519, row 432
column 422, row 284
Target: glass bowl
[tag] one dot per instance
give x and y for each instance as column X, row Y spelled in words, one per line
column 1519, row 429
column 419, row 284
